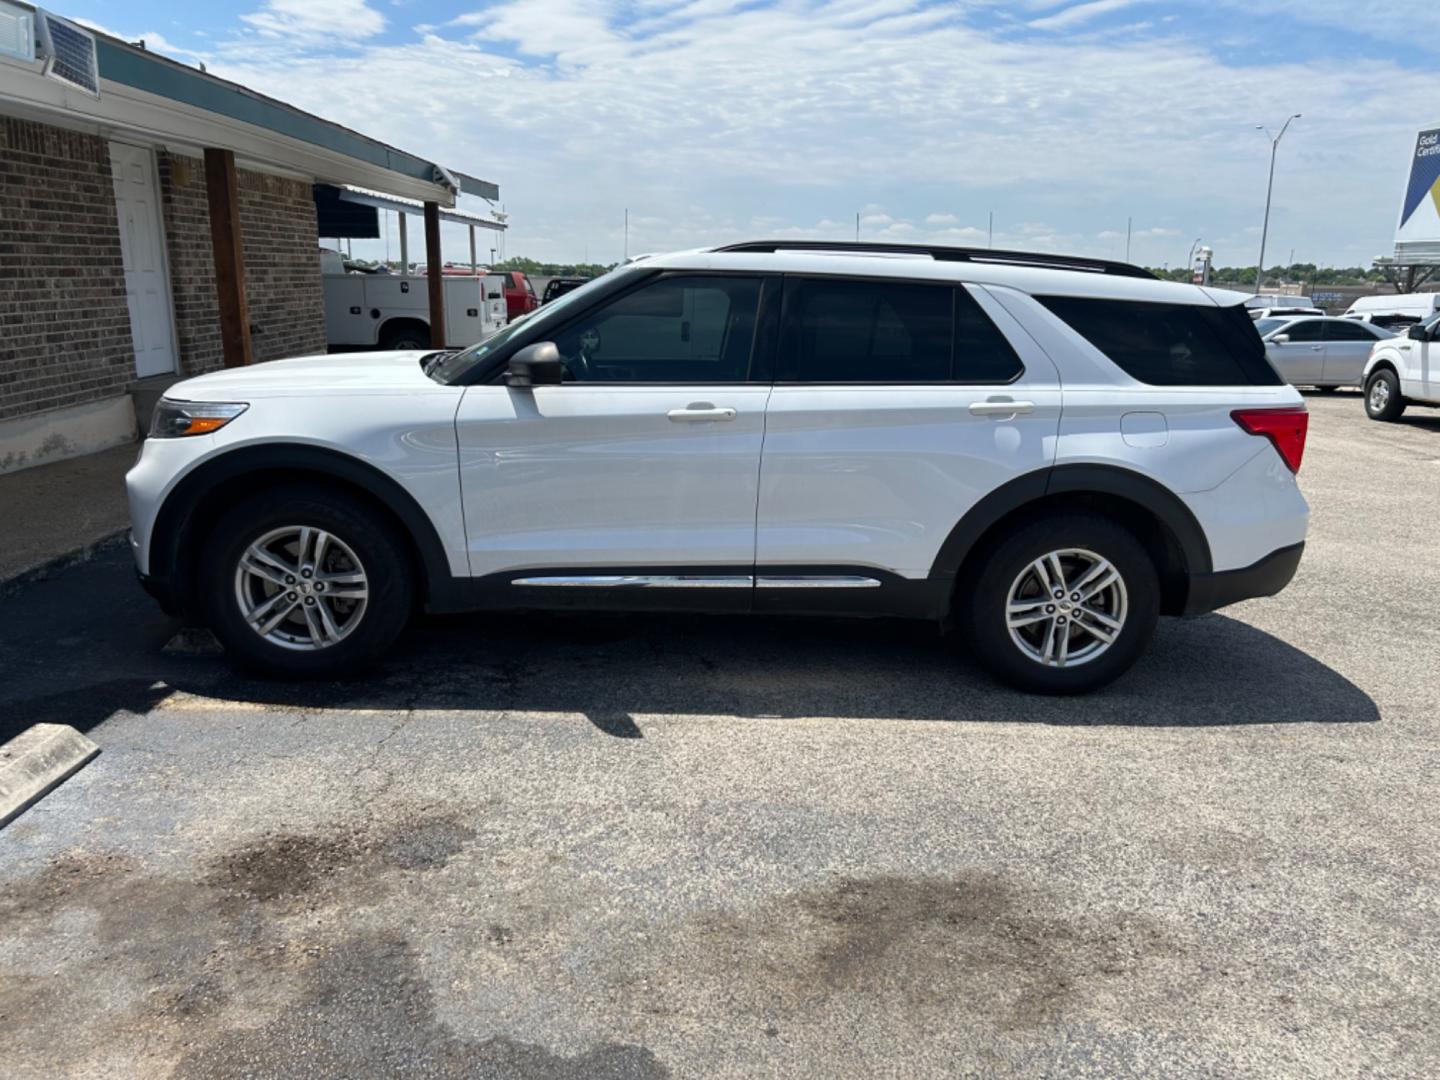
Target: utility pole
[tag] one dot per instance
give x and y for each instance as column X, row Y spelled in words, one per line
column 1269, row 190
column 857, row 226
column 627, row 234
column 991, row 241
column 1129, row 222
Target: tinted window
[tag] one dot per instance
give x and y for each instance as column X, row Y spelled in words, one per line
column 1171, row 344
column 1348, row 331
column 676, row 329
column 1265, row 326
column 853, row 331
column 982, row 355
column 1306, row 330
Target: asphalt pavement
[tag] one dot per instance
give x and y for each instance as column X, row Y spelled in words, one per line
column 591, row 846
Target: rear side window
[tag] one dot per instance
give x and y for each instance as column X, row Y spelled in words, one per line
column 1348, row 331
column 840, row 330
column 1171, row 344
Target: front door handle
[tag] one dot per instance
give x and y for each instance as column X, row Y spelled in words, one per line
column 1001, row 407
column 700, row 410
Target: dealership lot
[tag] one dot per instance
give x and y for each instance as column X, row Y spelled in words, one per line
column 644, row 846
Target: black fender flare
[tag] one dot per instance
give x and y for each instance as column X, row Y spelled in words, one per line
column 1079, row 479
column 170, row 566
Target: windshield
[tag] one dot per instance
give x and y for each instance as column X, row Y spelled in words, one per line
column 448, row 368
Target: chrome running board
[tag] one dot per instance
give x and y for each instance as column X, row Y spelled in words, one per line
column 698, row 581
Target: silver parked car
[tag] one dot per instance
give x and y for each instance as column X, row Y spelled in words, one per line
column 1318, row 350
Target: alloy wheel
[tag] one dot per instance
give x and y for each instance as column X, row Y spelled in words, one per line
column 1066, row 608
column 301, row 588
column 1379, row 395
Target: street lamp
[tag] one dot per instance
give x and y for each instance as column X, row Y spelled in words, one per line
column 1269, row 188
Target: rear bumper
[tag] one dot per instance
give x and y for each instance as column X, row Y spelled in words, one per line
column 1263, row 578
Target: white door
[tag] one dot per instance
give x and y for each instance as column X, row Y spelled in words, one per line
column 142, row 247
column 645, row 462
column 897, row 406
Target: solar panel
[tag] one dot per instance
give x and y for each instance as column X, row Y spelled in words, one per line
column 70, row 54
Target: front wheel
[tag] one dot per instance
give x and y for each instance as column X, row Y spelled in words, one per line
column 305, row 581
column 1383, row 400
column 1062, row 606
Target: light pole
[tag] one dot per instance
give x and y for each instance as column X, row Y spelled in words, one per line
column 1190, row 259
column 1269, row 188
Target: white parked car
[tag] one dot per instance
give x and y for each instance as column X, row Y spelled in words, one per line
column 1319, row 350
column 1404, row 370
column 1046, row 453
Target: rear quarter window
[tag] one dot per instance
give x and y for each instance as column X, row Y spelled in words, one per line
column 1171, row 344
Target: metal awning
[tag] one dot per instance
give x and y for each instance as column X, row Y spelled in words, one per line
column 381, row 201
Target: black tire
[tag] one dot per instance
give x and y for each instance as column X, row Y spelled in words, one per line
column 1394, row 401
column 983, row 612
column 374, row 541
column 406, row 337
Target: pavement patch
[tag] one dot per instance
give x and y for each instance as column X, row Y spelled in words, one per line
column 36, row 761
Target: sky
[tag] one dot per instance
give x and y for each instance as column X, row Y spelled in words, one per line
column 720, row 120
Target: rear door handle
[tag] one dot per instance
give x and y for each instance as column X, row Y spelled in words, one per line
column 1001, row 407
column 700, row 411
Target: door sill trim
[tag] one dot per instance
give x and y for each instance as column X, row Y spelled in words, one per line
column 637, row 581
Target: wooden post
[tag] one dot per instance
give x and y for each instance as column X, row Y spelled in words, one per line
column 404, row 245
column 223, row 193
column 435, row 270
column 474, row 266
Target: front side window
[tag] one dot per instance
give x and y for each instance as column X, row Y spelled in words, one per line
column 1166, row 344
column 681, row 329
column 840, row 330
column 1306, row 330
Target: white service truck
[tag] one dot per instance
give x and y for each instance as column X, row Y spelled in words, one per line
column 392, row 311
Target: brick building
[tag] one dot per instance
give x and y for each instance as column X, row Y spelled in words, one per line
column 156, row 222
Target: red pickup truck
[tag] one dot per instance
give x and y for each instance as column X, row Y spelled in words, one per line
column 520, row 295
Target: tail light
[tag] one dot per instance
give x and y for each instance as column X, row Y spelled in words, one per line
column 1285, row 428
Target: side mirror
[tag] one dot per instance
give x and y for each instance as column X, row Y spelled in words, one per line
column 1280, row 339
column 535, row 365
column 1418, row 333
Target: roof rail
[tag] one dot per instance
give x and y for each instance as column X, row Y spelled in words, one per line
column 950, row 254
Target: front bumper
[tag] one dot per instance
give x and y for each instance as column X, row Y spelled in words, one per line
column 1266, row 577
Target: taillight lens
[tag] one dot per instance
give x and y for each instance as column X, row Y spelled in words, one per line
column 1285, row 428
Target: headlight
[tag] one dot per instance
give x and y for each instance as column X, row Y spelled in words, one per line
column 175, row 419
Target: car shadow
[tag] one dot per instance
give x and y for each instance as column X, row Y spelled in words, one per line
column 617, row 670
column 95, row 648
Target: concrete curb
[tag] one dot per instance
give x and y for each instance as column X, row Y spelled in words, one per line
column 66, row 559
column 36, row 761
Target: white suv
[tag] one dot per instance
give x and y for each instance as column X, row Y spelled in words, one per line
column 1046, row 453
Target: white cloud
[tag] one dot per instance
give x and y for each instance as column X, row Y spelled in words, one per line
column 719, row 120
column 1080, row 13
column 317, row 21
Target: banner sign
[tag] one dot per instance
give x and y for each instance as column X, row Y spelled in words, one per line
column 1420, row 212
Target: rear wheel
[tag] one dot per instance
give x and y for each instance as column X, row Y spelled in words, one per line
column 304, row 581
column 406, row 336
column 1383, row 400
column 1063, row 606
